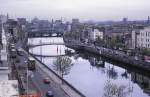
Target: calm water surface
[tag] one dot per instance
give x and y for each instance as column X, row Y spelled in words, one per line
column 93, row 75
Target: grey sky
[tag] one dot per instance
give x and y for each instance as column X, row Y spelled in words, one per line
column 83, row 9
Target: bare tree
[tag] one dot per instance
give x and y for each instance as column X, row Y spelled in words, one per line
column 114, row 90
column 112, row 73
column 62, row 65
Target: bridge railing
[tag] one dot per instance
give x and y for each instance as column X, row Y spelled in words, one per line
column 46, row 43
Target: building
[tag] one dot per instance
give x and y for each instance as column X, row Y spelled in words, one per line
column 85, row 34
column 68, row 27
column 95, row 33
column 141, row 38
column 9, row 88
column 75, row 21
column 3, row 18
column 46, row 28
column 38, row 27
column 22, row 30
column 21, row 21
column 76, row 25
column 148, row 20
column 0, row 33
column 125, row 20
column 59, row 27
column 4, row 70
column 128, row 40
column 12, row 28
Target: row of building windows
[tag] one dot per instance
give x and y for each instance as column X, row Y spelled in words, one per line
column 142, row 40
column 145, row 33
column 146, row 45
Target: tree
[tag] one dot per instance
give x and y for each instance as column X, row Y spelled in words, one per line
column 112, row 73
column 100, row 41
column 114, row 90
column 62, row 65
column 145, row 51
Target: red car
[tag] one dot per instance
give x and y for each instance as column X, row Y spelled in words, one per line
column 46, row 80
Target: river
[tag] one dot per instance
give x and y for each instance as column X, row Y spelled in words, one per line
column 93, row 75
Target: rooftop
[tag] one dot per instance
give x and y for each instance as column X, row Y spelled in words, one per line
column 9, row 88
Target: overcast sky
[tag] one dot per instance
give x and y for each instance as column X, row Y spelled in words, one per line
column 84, row 9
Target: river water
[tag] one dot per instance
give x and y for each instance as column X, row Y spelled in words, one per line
column 93, row 75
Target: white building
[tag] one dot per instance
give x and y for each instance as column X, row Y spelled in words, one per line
column 95, row 34
column 141, row 38
column 9, row 88
column 3, row 18
column 3, row 51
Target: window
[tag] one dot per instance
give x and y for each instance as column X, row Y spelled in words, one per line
column 146, row 33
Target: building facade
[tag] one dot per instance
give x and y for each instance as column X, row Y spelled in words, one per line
column 141, row 38
column 96, row 34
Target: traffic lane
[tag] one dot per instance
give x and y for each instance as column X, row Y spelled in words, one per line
column 38, row 80
column 56, row 89
column 34, row 83
column 39, row 75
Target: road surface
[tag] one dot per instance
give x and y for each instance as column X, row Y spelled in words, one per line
column 37, row 80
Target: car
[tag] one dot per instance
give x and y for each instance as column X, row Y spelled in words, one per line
column 46, row 80
column 49, row 94
column 17, row 60
column 20, row 52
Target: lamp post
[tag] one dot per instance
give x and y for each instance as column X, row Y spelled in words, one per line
column 27, row 77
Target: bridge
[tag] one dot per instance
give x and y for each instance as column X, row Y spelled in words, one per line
column 38, row 55
column 42, row 44
column 44, row 34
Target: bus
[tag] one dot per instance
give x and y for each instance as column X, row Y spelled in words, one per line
column 31, row 63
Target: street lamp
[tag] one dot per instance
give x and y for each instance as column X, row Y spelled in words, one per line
column 27, row 76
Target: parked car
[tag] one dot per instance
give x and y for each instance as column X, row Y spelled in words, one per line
column 49, row 94
column 20, row 52
column 46, row 80
column 17, row 60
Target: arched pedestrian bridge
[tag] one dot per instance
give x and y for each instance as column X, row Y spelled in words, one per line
column 42, row 44
column 38, row 55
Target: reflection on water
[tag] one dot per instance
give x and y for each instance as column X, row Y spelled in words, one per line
column 95, row 76
column 142, row 81
column 113, row 90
